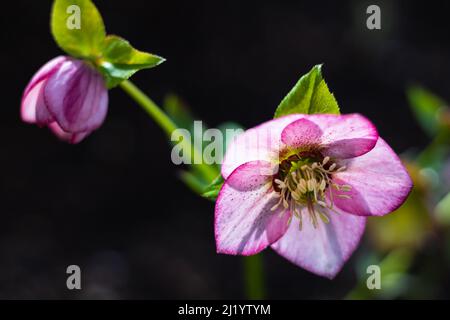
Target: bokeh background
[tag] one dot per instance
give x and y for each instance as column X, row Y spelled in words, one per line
column 114, row 204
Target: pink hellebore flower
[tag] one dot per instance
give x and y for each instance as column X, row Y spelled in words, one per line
column 304, row 185
column 68, row 96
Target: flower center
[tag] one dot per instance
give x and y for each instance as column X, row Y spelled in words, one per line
column 302, row 182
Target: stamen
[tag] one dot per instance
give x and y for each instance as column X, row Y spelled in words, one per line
column 322, row 185
column 321, row 203
column 275, row 206
column 346, row 188
column 289, row 220
column 324, row 216
column 280, row 183
column 295, row 195
column 303, row 184
column 311, row 184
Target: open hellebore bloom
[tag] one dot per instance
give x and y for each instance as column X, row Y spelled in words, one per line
column 304, row 185
column 67, row 95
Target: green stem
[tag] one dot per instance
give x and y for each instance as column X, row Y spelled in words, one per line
column 164, row 121
column 150, row 107
column 254, row 277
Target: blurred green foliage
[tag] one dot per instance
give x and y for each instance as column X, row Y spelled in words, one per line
column 195, row 179
column 410, row 244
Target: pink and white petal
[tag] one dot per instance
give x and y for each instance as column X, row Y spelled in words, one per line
column 72, row 138
column 43, row 116
column 325, row 249
column 77, row 97
column 33, row 107
column 345, row 136
column 259, row 143
column 33, row 100
column 244, row 222
column 44, row 72
column 379, row 182
column 302, row 133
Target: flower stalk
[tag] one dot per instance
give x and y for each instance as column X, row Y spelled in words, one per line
column 254, row 277
column 165, row 123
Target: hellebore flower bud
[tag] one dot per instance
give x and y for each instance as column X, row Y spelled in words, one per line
column 67, row 95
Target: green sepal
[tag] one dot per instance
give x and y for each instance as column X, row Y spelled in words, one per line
column 120, row 60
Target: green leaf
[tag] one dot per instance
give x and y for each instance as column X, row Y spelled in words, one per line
column 212, row 191
column 120, row 60
column 309, row 96
column 78, row 28
column 426, row 107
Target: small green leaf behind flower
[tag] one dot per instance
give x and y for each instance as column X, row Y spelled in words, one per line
column 77, row 27
column 120, row 60
column 309, row 96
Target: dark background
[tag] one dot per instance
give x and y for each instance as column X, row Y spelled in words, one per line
column 113, row 204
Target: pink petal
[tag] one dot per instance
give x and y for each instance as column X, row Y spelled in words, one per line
column 73, row 138
column 325, row 249
column 340, row 136
column 244, row 222
column 379, row 181
column 346, row 136
column 259, row 143
column 77, row 97
column 32, row 98
column 302, row 133
column 44, row 72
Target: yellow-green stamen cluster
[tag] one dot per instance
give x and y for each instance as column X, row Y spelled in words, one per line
column 302, row 183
